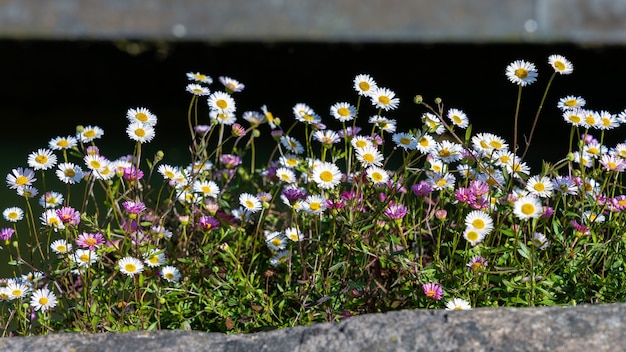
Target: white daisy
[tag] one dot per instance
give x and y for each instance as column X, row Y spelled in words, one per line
column 221, row 102
column 458, row 304
column 13, row 214
column 294, row 234
column 473, row 235
column 42, row 159
column 207, row 188
column 130, row 266
column 560, row 64
column 292, row 145
column 369, row 156
column 250, row 202
column 527, row 207
column 199, row 77
column 286, row 175
column 377, row 175
column 275, row 240
column 383, row 98
column 231, row 85
column 69, row 173
column 51, row 219
column 140, row 132
column 170, row 273
column 43, row 299
column 62, row 143
column 404, row 140
column 540, row 186
column 142, row 115
column 314, row 204
column 521, row 72
column 84, row 257
column 89, row 133
column 364, row 84
column 326, row 175
column 20, row 177
column 480, row 221
column 223, row 118
column 60, row 246
column 425, row 143
column 361, row 142
column 458, row 118
column 197, row 89
column 343, row 111
column 154, row 258
column 571, row 102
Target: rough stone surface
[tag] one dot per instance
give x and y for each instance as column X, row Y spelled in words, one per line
column 581, row 328
column 510, row 21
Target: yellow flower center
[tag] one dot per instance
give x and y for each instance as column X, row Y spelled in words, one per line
column 364, row 86
column 276, row 241
column 16, row 293
column 377, row 176
column 249, row 204
column 559, row 65
column 326, row 176
column 315, row 206
column 495, row 144
column 360, row 143
column 571, row 102
column 95, row 164
column 539, row 187
column 478, row 223
column 90, row 241
column 21, row 180
column 528, row 209
column 384, row 100
column 131, row 268
column 472, row 236
column 368, row 157
column 89, row 133
column 444, row 153
column 222, row 104
column 41, row 159
column 405, row 141
column 84, row 258
column 169, row 275
column 63, row 143
column 61, row 248
column 457, row 120
column 43, row 301
column 343, row 111
column 521, row 73
column 574, row 118
column 70, row 173
column 144, row 118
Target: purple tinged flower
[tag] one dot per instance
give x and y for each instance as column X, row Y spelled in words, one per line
column 422, row 189
column 132, row 174
column 581, row 229
column 350, row 132
column 6, row 233
column 293, row 194
column 69, row 215
column 134, row 207
column 202, row 129
column 208, row 222
column 90, row 240
column 547, row 212
column 395, row 211
column 230, row 161
column 433, row 291
column 477, row 263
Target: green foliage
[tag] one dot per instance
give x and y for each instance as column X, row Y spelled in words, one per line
column 337, row 222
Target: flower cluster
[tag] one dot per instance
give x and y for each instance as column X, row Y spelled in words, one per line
column 349, row 215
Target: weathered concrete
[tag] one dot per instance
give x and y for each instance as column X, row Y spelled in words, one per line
column 503, row 21
column 582, row 328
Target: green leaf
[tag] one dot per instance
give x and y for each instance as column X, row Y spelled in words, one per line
column 524, row 251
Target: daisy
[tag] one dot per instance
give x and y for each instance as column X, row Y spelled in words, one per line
column 286, row 175
column 404, row 140
column 441, row 181
column 369, row 156
column 473, row 236
column 170, row 273
column 69, row 215
column 343, row 111
column 395, row 211
column 223, row 118
column 377, row 175
column 540, row 186
column 425, row 143
column 571, row 102
column 279, row 258
column 433, row 123
column 594, row 149
column 326, row 175
column 291, row 160
column 142, row 115
column 13, row 214
column 314, row 204
column 521, row 72
column 361, row 142
column 42, row 159
column 560, row 64
column 613, row 163
column 85, row 257
column 275, row 240
column 591, row 217
column 433, row 290
column 574, row 116
column 527, row 207
column 154, row 258
column 292, row 144
column 383, row 98
column 477, row 263
column 130, row 266
column 6, row 233
column 447, row 151
column 197, row 89
column 608, row 121
column 308, row 116
column 69, row 173
column 199, row 77
column 207, row 188
column 43, row 299
column 250, row 202
column 458, row 304
column 17, row 289
column 591, row 119
column 62, row 143
column 140, row 132
column 326, row 137
column 221, row 102
column 27, row 192
column 20, row 177
column 95, row 162
column 90, row 240
column 540, row 241
column 564, row 184
column 89, row 133
column 51, row 218
column 231, row 85
column 364, row 85
column 169, row 172
column 385, row 124
column 294, row 234
column 60, row 246
column 458, row 118
column 480, row 221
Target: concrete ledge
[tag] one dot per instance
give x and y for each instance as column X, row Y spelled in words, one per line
column 504, row 21
column 581, row 328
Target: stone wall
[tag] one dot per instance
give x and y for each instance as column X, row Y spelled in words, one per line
column 582, row 328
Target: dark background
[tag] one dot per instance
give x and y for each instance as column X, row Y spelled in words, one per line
column 49, row 87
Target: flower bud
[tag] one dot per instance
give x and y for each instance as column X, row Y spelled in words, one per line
column 418, row 99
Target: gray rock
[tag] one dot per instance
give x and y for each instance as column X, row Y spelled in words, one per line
column 581, row 328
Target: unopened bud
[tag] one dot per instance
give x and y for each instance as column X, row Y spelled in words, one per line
column 438, row 100
column 418, row 99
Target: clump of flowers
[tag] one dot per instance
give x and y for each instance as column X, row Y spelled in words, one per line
column 343, row 214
